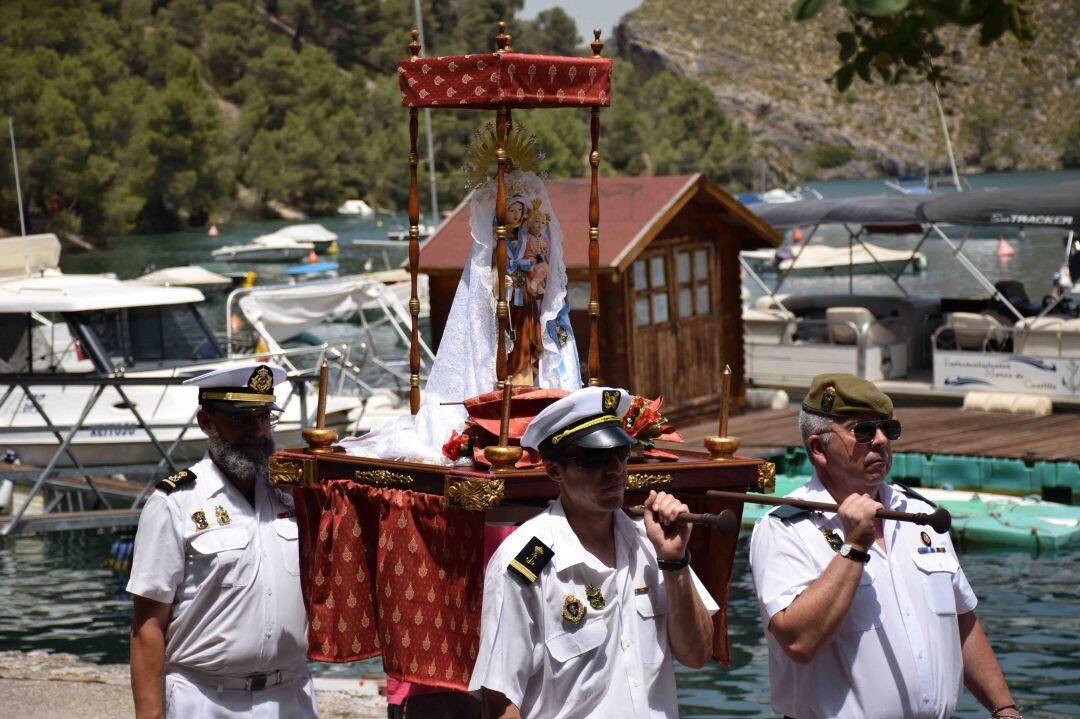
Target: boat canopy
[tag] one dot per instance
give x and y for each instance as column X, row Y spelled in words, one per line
column 184, row 276
column 871, row 210
column 30, row 255
column 1055, row 205
column 84, row 293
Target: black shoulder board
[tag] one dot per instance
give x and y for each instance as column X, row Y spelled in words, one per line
column 790, row 511
column 909, row 492
column 531, row 560
column 182, row 477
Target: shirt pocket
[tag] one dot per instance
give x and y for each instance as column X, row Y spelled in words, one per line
column 287, row 533
column 577, row 642
column 865, row 611
column 220, row 557
column 652, row 610
column 938, row 570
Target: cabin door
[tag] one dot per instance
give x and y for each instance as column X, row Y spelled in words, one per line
column 676, row 333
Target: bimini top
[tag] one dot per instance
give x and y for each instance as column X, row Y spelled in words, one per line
column 1055, row 205
column 872, row 210
column 83, row 293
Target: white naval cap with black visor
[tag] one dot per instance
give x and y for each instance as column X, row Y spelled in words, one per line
column 588, row 418
column 246, row 388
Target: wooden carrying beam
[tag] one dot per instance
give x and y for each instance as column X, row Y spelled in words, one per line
column 414, row 248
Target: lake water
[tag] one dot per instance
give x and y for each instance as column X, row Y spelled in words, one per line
column 55, row 593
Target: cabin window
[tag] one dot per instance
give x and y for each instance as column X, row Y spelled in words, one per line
column 146, row 336
column 692, row 275
column 651, row 291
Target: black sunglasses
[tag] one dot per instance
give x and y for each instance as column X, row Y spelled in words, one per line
column 599, row 458
column 866, row 430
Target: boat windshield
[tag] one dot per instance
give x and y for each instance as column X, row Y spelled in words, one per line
column 145, row 337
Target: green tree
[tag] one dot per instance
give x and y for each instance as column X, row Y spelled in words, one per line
column 552, row 32
column 893, row 38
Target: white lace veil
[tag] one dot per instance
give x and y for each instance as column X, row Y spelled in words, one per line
column 464, row 366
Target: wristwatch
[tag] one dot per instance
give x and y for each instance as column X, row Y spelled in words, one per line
column 674, row 565
column 849, row 552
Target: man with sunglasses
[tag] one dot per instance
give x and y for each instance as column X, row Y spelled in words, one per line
column 219, row 627
column 865, row 617
column 584, row 608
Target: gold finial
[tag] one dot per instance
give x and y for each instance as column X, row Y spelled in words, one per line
column 508, row 48
column 596, row 45
column 501, row 40
column 414, row 46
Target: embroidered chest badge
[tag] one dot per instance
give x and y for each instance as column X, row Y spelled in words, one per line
column 595, row 597
column 199, row 518
column 222, row 515
column 573, row 610
column 833, row 539
column 925, row 538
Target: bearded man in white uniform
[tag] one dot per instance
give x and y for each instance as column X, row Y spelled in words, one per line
column 865, row 617
column 584, row 608
column 219, row 626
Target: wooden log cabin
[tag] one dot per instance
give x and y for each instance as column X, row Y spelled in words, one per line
column 669, row 282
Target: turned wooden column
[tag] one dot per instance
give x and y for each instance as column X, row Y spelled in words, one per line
column 414, row 247
column 502, row 309
column 594, row 233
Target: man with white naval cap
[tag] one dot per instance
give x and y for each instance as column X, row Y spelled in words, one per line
column 219, row 626
column 584, row 608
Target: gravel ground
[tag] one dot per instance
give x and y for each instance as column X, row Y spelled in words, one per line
column 40, row 685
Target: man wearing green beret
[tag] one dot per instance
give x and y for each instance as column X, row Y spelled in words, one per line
column 864, row 616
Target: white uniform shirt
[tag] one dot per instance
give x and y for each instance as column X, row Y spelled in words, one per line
column 234, row 586
column 898, row 652
column 614, row 663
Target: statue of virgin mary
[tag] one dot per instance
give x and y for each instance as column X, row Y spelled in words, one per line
column 464, row 365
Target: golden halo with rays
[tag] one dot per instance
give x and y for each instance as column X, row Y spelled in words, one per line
column 480, row 164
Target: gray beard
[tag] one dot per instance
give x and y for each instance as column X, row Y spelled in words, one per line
column 247, row 462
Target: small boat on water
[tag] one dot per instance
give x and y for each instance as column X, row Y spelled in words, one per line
column 815, row 259
column 355, row 207
column 186, row 276
column 311, row 271
column 267, row 248
column 982, row 518
column 324, row 240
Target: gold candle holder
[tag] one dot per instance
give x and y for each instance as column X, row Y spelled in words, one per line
column 320, row 439
column 722, row 447
column 502, row 456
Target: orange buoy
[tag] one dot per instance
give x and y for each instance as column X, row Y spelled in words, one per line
column 797, row 235
column 212, row 232
column 1004, row 249
column 312, row 258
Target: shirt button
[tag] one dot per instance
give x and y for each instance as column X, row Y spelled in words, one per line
column 634, row 683
column 626, row 643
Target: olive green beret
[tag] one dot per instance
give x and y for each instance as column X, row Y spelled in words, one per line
column 837, row 394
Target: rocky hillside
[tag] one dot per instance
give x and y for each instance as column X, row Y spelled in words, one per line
column 1008, row 109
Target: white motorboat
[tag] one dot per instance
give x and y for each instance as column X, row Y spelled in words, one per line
column 355, row 207
column 186, row 276
column 1003, row 353
column 96, row 362
column 815, row 258
column 325, row 241
column 266, row 248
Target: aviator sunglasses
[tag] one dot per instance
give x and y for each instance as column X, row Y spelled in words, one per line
column 598, row 458
column 866, row 430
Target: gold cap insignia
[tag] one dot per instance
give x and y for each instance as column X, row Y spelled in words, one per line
column 261, row 380
column 828, row 398
column 199, row 518
column 610, row 400
column 573, row 610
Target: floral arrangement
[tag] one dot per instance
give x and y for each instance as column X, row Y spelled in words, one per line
column 645, row 423
column 456, row 446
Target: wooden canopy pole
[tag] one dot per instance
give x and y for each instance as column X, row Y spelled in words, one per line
column 594, row 233
column 414, row 247
column 502, row 312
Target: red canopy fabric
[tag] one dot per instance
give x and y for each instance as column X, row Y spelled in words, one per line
column 489, row 80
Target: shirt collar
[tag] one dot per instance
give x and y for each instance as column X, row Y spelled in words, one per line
column 816, row 491
column 567, row 547
column 209, row 478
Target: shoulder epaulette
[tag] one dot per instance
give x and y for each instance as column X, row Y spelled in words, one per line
column 182, row 477
column 909, row 492
column 531, row 560
column 790, row 512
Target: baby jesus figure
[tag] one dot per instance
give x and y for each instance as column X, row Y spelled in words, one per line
column 537, row 249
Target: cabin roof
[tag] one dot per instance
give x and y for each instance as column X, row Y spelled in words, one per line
column 633, row 211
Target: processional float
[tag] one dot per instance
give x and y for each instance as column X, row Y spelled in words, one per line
column 391, row 551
